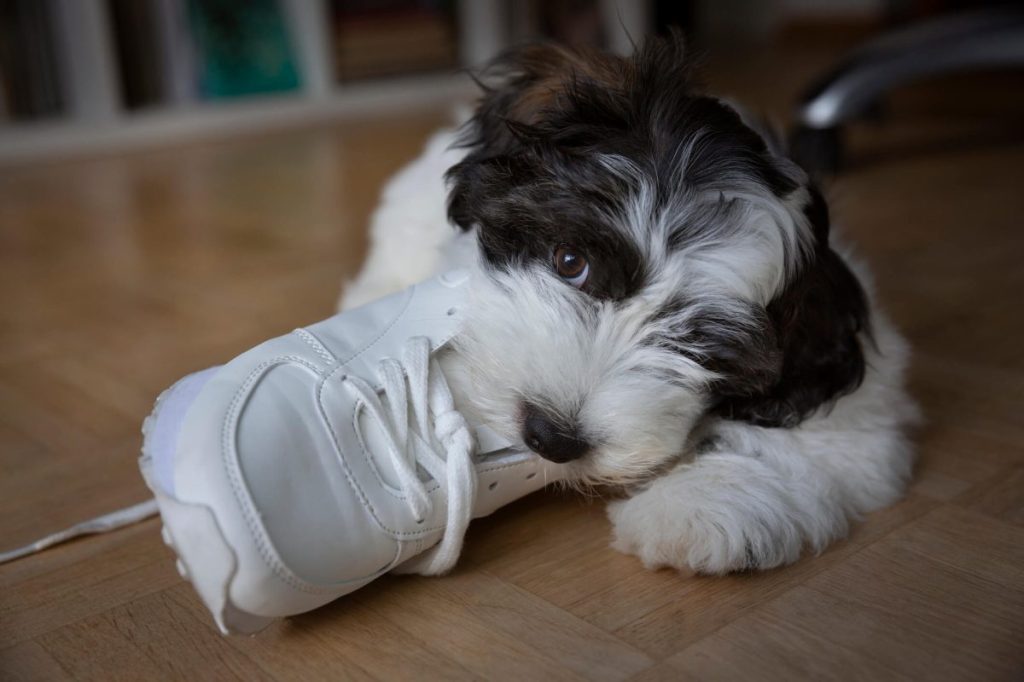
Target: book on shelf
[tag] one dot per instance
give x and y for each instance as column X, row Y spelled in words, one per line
column 28, row 60
column 135, row 29
column 242, row 48
column 4, row 112
column 155, row 52
column 386, row 38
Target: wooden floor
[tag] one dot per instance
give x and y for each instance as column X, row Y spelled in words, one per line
column 118, row 275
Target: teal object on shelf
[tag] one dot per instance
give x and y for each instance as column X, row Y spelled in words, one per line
column 243, row 48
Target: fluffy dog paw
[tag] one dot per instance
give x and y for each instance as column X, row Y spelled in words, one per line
column 707, row 526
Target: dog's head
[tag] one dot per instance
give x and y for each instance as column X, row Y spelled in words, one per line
column 648, row 260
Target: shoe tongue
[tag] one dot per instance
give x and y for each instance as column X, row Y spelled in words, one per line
column 359, row 338
column 489, row 441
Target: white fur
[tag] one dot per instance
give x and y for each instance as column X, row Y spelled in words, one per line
column 529, row 336
column 766, row 493
column 755, row 499
column 409, row 230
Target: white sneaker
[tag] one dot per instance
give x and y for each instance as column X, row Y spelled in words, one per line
column 320, row 460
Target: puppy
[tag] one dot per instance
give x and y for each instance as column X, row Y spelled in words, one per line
column 659, row 305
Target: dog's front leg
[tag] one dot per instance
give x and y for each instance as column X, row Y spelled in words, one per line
column 762, row 495
column 725, row 512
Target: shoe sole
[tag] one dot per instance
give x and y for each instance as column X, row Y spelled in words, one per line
column 204, row 556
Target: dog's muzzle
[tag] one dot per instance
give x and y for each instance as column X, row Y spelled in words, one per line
column 550, row 440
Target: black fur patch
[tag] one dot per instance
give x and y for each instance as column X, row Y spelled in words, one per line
column 524, row 221
column 816, row 322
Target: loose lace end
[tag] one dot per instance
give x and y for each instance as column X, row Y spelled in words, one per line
column 100, row 524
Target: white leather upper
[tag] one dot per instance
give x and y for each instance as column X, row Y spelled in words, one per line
column 293, row 471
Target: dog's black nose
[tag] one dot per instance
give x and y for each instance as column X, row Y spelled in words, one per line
column 549, row 440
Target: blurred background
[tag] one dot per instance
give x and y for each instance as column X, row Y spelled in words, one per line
column 107, row 74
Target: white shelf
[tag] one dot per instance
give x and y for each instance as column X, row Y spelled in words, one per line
column 126, row 131
column 86, row 57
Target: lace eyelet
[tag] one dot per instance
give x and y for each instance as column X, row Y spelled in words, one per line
column 452, row 311
column 493, row 485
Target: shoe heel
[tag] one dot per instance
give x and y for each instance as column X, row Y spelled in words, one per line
column 191, row 530
column 207, row 561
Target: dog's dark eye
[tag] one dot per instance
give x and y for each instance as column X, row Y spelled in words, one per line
column 571, row 265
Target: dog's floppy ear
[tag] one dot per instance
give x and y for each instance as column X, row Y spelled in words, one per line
column 520, row 88
column 815, row 321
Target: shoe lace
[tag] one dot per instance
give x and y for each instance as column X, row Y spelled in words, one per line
column 445, row 452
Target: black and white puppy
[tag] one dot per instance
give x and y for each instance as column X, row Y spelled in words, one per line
column 658, row 304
